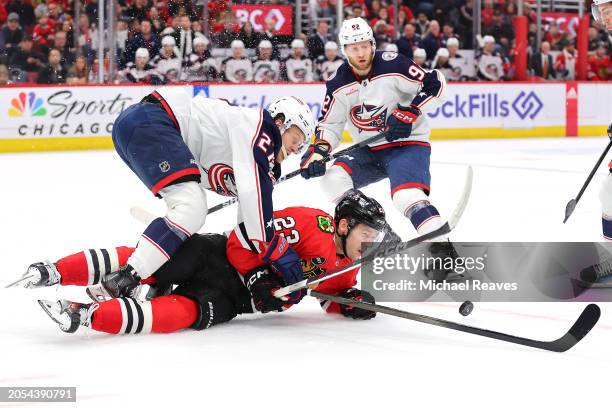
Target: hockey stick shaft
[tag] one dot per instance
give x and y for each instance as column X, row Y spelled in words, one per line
column 571, row 205
column 295, row 173
column 390, row 249
column 587, row 320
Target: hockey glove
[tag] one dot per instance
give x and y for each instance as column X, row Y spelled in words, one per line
column 123, row 283
column 353, row 311
column 312, row 163
column 285, row 260
column 262, row 283
column 399, row 124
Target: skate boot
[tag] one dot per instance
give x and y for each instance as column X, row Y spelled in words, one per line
column 157, row 290
column 122, row 283
column 436, row 271
column 597, row 272
column 69, row 315
column 38, row 275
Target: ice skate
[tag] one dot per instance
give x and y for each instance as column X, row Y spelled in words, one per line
column 435, row 270
column 38, row 275
column 68, row 315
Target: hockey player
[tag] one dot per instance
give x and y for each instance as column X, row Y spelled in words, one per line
column 237, row 68
column 376, row 92
column 298, row 67
column 140, row 71
column 266, row 68
column 209, row 290
column 167, row 62
column 179, row 146
column 327, row 64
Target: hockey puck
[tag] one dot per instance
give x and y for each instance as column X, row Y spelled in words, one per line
column 466, row 308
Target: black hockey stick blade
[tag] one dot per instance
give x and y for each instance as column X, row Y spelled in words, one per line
column 594, row 285
column 569, row 209
column 587, row 320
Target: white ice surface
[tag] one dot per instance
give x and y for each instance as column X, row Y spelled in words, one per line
column 58, row 203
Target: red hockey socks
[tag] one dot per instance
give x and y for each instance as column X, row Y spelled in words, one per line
column 88, row 267
column 165, row 314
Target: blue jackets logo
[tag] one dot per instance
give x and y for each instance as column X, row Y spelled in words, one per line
column 369, row 117
column 490, row 105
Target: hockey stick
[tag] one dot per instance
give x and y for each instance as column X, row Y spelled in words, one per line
column 387, row 250
column 585, row 322
column 571, row 204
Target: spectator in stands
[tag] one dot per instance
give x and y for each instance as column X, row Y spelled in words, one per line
column 91, row 9
column 157, row 24
column 499, row 29
column 448, row 32
column 249, row 36
column 40, row 9
column 420, row 57
column 25, row 58
column 409, row 41
column 565, row 63
column 266, row 68
column 146, row 38
column 122, row 35
column 316, row 43
column 168, row 62
column 465, row 22
column 44, row 31
column 224, row 38
column 12, row 33
column 553, row 35
column 298, row 68
column 432, row 40
column 441, row 9
column 356, row 11
column 53, row 72
column 326, row 65
column 595, row 38
column 490, row 62
column 462, row 69
column 180, row 7
column 269, row 35
column 441, row 62
column 140, row 70
column 60, row 42
column 381, row 34
column 422, row 24
column 24, row 11
column 88, row 40
column 78, row 72
column 200, row 66
column 184, row 36
column 4, row 76
column 237, row 68
column 542, row 62
column 600, row 66
column 55, row 12
column 138, row 10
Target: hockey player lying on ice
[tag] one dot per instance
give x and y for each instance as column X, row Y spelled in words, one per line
column 210, row 291
column 179, row 145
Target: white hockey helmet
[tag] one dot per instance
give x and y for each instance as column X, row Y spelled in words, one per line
column 596, row 9
column 355, row 30
column 296, row 113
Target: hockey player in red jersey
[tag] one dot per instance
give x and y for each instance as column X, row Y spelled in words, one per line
column 218, row 278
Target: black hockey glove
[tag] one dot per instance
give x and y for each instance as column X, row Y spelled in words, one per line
column 353, row 311
column 312, row 163
column 399, row 124
column 122, row 283
column 262, row 283
column 285, row 260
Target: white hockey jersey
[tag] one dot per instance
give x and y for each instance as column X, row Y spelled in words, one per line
column 266, row 70
column 237, row 69
column 363, row 104
column 169, row 68
column 299, row 70
column 326, row 68
column 235, row 148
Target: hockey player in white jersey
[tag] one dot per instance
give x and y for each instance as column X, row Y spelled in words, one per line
column 376, row 92
column 237, row 68
column 265, row 67
column 298, row 67
column 179, row 146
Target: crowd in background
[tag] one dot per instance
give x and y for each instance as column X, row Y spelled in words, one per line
column 163, row 41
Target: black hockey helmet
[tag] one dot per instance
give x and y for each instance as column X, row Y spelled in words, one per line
column 358, row 208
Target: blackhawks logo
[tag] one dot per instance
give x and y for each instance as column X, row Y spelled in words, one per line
column 325, row 224
column 312, row 268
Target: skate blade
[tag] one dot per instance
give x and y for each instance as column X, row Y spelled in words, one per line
column 17, row 282
column 48, row 306
column 97, row 293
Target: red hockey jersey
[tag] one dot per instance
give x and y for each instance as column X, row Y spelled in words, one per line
column 310, row 232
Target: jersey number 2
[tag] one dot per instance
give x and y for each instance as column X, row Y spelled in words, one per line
column 287, row 223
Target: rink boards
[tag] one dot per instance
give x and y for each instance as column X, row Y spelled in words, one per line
column 40, row 118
